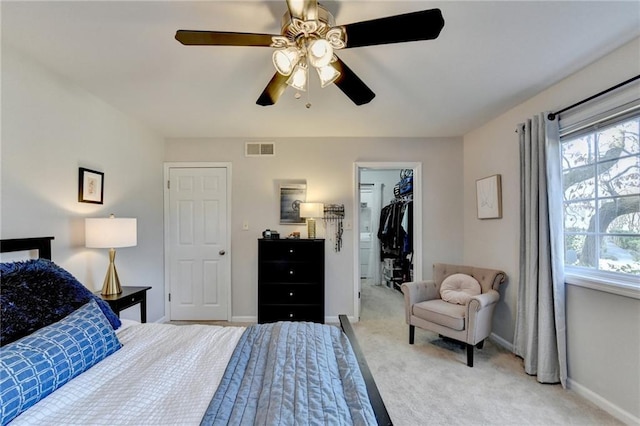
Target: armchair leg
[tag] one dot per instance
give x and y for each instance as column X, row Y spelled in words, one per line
column 469, row 355
column 480, row 344
column 412, row 333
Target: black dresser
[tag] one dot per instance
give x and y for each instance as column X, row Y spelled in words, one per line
column 290, row 280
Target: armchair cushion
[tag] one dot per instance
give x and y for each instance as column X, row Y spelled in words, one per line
column 459, row 288
column 443, row 313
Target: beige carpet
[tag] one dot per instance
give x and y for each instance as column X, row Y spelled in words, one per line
column 429, row 383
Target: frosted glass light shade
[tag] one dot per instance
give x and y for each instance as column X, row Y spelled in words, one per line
column 320, row 53
column 328, row 75
column 110, row 232
column 299, row 77
column 311, row 210
column 285, row 60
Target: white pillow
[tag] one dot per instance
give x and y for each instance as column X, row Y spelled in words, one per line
column 459, row 288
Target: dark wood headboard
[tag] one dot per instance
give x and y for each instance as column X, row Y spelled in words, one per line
column 42, row 244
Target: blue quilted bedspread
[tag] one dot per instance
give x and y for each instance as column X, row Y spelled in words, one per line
column 291, row 373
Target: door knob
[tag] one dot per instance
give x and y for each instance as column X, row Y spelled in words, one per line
column 222, row 252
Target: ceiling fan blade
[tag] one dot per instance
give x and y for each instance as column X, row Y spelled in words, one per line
column 305, row 10
column 222, row 38
column 423, row 25
column 274, row 89
column 351, row 85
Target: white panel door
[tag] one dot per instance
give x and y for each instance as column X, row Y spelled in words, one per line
column 198, row 259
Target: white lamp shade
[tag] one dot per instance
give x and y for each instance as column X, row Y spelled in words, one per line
column 320, row 53
column 311, row 210
column 285, row 59
column 298, row 78
column 328, row 75
column 110, row 232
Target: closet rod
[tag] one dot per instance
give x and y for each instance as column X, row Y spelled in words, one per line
column 552, row 115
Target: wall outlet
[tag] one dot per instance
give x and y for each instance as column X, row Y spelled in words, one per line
column 245, row 226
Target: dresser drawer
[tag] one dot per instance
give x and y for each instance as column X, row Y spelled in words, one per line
column 273, row 313
column 290, row 294
column 290, row 250
column 290, row 272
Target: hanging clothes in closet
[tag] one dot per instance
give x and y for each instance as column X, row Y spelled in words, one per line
column 395, row 233
column 396, row 228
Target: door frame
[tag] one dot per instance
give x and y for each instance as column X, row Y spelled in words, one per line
column 194, row 165
column 417, row 220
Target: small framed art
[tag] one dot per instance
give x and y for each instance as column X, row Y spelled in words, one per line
column 90, row 186
column 489, row 197
column 291, row 195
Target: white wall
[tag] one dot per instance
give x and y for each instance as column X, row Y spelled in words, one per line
column 51, row 127
column 327, row 165
column 603, row 361
column 388, row 179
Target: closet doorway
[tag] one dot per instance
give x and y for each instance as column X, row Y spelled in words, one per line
column 374, row 191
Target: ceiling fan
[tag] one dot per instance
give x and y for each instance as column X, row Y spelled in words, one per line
column 309, row 38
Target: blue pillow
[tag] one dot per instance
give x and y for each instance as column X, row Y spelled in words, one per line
column 34, row 366
column 36, row 293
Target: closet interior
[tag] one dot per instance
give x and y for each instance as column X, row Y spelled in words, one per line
column 386, row 227
column 395, row 233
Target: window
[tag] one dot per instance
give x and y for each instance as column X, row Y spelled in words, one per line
column 601, row 184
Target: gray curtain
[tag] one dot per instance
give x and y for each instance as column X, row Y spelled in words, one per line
column 540, row 337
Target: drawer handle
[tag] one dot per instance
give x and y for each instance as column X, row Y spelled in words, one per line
column 291, row 272
column 133, row 299
column 291, row 294
column 291, row 315
column 290, row 250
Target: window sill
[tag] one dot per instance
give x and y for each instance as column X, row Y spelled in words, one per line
column 608, row 284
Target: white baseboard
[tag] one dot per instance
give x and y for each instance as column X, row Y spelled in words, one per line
column 244, row 319
column 336, row 320
column 614, row 410
column 584, row 392
column 501, row 342
column 327, row 320
column 161, row 320
column 332, row 320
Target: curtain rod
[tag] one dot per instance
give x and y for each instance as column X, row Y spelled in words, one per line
column 552, row 115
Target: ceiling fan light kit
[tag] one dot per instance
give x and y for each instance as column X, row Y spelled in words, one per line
column 309, row 38
column 320, row 53
column 327, row 75
column 299, row 77
column 285, row 59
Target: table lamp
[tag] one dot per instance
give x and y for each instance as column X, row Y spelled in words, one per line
column 311, row 211
column 111, row 233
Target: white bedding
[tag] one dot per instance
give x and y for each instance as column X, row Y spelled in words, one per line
column 163, row 375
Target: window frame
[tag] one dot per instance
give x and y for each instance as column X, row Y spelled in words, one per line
column 618, row 283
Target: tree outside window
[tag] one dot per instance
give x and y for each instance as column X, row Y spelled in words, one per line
column 601, row 184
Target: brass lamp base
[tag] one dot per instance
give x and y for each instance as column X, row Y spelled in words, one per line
column 311, row 228
column 111, row 281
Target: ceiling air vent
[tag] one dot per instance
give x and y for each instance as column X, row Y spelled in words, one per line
column 259, row 149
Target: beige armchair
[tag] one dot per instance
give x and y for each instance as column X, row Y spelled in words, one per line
column 469, row 324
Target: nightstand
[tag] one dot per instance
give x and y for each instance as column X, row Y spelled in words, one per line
column 130, row 296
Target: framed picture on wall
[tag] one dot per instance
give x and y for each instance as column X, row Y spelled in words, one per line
column 90, row 186
column 489, row 197
column 291, row 195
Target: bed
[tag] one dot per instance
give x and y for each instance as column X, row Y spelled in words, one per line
column 90, row 367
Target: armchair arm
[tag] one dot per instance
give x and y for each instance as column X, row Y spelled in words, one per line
column 416, row 292
column 483, row 300
column 480, row 316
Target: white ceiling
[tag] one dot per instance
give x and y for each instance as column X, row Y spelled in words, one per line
column 490, row 56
